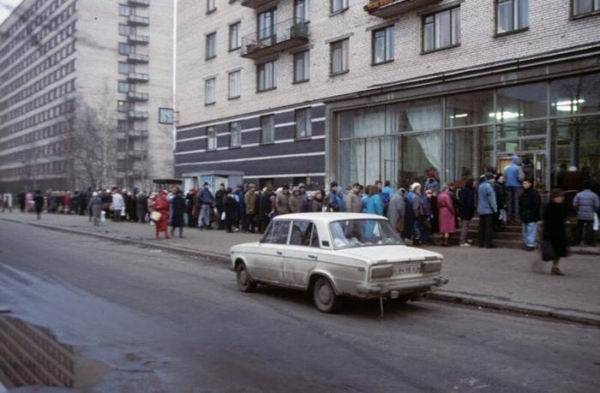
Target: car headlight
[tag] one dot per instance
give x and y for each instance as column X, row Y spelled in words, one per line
column 382, row 271
column 431, row 267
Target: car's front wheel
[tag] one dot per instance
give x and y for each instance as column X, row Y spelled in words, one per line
column 324, row 296
column 244, row 281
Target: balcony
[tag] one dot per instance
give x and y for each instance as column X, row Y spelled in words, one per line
column 138, row 39
column 284, row 35
column 137, row 20
column 138, row 58
column 257, row 3
column 137, row 115
column 394, row 8
column 139, row 3
column 138, row 133
column 137, row 96
column 138, row 77
column 137, row 153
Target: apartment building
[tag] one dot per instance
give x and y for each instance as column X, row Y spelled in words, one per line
column 86, row 94
column 356, row 90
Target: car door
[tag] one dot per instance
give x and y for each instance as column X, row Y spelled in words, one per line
column 302, row 254
column 269, row 262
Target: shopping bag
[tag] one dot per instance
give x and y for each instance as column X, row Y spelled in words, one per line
column 223, row 216
column 155, row 216
column 596, row 222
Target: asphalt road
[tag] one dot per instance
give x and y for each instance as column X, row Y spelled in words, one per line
column 148, row 321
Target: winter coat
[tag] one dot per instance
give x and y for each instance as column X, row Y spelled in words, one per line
column 178, row 209
column 447, row 213
column 161, row 205
column 500, row 191
column 220, row 198
column 354, row 203
column 554, row 229
column 486, row 199
column 316, row 206
column 296, row 203
column 282, row 203
column 375, row 204
column 38, row 200
column 95, row 206
column 335, row 201
column 514, row 173
column 265, row 205
column 587, row 203
column 117, row 202
column 529, row 206
column 250, row 202
column 230, row 207
column 396, row 211
column 466, row 203
column 205, row 197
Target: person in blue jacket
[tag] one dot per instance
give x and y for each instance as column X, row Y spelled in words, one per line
column 486, row 208
column 374, row 201
column 514, row 176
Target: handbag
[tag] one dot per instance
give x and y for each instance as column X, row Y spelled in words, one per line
column 155, row 216
column 548, row 253
column 223, row 216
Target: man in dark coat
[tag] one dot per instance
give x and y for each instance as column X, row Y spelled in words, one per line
column 192, row 210
column 38, row 201
column 265, row 208
column 466, row 210
column 141, row 206
column 555, row 233
column 220, row 205
column 529, row 213
column 178, row 209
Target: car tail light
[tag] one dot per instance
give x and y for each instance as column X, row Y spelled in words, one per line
column 382, row 271
column 431, row 267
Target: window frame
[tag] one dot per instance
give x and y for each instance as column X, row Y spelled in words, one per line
column 515, row 30
column 237, row 25
column 385, row 30
column 239, row 82
column 313, row 231
column 305, row 4
column 212, row 139
column 305, row 69
column 211, row 6
column 231, row 132
column 345, row 56
column 258, row 76
column 433, row 14
column 208, row 37
column 270, row 229
column 595, row 10
column 344, row 6
column 271, row 140
column 214, row 98
column 124, row 83
column 307, row 114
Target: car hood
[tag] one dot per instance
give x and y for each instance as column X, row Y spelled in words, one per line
column 383, row 254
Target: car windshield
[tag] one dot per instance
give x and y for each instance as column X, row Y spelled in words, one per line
column 363, row 233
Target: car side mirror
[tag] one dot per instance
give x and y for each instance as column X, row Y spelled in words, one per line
column 325, row 243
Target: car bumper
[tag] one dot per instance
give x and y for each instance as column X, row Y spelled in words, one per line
column 401, row 287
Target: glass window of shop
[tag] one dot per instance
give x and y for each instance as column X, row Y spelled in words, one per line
column 554, row 126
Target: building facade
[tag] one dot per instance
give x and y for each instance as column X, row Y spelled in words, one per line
column 390, row 88
column 81, row 84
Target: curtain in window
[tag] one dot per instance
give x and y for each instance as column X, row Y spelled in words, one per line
column 443, row 36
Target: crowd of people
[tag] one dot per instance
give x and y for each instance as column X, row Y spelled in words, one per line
column 417, row 213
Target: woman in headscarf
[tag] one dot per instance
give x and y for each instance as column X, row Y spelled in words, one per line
column 447, row 214
column 161, row 205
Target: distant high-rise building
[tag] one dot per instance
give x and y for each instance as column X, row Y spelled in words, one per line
column 86, row 94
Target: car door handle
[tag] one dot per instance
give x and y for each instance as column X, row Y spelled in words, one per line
column 313, row 257
column 279, row 253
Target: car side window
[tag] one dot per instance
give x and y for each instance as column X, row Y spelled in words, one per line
column 279, row 232
column 301, row 232
column 314, row 240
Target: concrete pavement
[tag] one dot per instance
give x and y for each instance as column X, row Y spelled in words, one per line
column 142, row 320
column 505, row 279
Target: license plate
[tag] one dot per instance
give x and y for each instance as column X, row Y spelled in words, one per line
column 407, row 268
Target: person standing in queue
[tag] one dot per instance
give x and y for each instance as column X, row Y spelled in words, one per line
column 554, row 235
column 38, row 203
column 160, row 205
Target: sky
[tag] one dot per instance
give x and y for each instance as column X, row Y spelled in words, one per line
column 6, row 6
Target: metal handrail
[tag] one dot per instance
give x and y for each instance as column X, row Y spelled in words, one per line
column 275, row 34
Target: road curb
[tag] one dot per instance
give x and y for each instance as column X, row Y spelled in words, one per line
column 515, row 308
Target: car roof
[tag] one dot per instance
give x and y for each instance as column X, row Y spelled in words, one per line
column 329, row 217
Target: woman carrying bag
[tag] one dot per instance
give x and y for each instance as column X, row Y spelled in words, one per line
column 554, row 241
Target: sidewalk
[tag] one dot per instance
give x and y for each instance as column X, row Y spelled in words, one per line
column 505, row 279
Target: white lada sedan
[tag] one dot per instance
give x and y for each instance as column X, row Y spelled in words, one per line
column 334, row 255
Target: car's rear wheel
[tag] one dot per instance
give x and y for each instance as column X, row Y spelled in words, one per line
column 244, row 280
column 324, row 296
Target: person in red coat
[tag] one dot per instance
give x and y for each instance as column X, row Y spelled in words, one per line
column 161, row 205
column 447, row 214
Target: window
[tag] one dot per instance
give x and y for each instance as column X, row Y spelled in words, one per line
column 441, row 30
column 211, row 41
column 303, row 123
column 338, row 5
column 583, row 7
column 301, row 11
column 123, row 106
column 123, row 87
column 383, row 45
column 265, row 74
column 302, row 66
column 125, row 10
column 339, row 56
column 125, row 68
column 235, row 130
column 126, row 30
column 267, row 132
column 302, row 234
column 511, row 15
column 277, row 232
column 266, row 24
column 235, row 41
column 209, row 91
column 211, row 6
column 234, row 84
column 211, row 135
column 125, row 49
